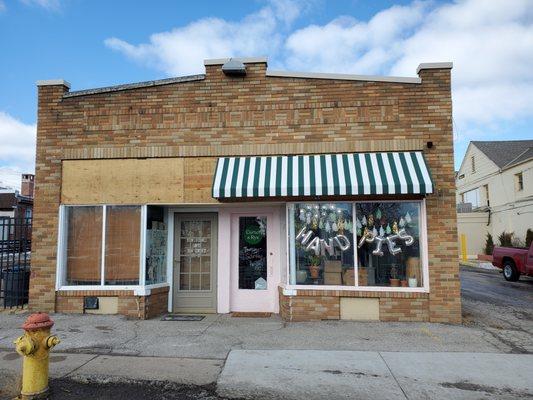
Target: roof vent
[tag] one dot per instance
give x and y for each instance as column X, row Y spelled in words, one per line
column 234, row 67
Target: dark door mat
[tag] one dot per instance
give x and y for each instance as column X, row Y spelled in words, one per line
column 251, row 314
column 180, row 317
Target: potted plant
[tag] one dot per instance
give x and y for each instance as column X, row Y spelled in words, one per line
column 314, row 265
column 394, row 281
column 403, row 283
column 413, row 282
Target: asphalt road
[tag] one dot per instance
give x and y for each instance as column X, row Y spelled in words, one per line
column 503, row 310
column 66, row 389
column 490, row 286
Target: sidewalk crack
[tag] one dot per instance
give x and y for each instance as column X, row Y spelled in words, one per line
column 82, row 365
column 398, row 383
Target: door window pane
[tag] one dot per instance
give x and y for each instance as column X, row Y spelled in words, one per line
column 195, row 255
column 322, row 244
column 253, row 253
column 388, row 237
column 122, row 245
column 84, row 245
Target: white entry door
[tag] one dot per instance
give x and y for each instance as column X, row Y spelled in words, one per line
column 195, row 263
column 255, row 273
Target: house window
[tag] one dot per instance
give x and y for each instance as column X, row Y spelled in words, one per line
column 472, row 197
column 100, row 246
column 473, row 161
column 362, row 244
column 519, row 182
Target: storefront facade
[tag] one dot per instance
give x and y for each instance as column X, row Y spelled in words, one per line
column 315, row 196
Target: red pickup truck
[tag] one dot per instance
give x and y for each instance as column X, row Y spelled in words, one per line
column 513, row 261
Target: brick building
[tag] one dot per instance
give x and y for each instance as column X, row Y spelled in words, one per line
column 318, row 196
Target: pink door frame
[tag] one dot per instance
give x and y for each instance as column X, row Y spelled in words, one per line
column 234, row 299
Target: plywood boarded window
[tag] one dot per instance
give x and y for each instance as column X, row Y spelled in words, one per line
column 122, row 245
column 84, row 245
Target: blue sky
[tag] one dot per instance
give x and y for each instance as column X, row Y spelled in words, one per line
column 98, row 43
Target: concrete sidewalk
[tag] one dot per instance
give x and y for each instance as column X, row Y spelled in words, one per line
column 311, row 375
column 306, row 374
column 216, row 335
column 106, row 368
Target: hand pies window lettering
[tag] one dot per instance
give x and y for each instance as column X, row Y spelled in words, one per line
column 388, row 244
column 322, row 244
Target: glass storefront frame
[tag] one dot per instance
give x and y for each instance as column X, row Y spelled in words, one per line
column 356, row 287
column 140, row 289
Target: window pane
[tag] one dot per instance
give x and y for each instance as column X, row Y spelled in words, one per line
column 253, row 253
column 84, row 245
column 156, row 246
column 122, row 245
column 322, row 244
column 195, row 255
column 388, row 238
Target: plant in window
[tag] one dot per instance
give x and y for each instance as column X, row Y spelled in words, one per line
column 314, row 265
column 394, row 281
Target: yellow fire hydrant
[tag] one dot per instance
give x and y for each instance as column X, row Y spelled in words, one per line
column 35, row 347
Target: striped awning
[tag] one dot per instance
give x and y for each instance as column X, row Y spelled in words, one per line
column 322, row 175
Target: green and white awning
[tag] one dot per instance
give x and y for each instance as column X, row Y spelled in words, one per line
column 322, row 175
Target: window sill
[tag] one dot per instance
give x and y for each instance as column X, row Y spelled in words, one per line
column 293, row 290
column 137, row 290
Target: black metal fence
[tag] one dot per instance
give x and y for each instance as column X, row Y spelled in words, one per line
column 15, row 261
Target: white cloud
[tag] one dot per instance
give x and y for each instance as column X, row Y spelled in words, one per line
column 17, row 152
column 2, row 6
column 182, row 50
column 489, row 42
column 52, row 5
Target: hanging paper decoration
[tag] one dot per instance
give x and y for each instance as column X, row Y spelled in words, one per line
column 308, row 220
column 374, row 232
column 363, row 220
column 349, row 226
column 359, row 232
column 321, row 224
column 332, row 217
column 394, row 227
column 388, row 230
column 378, row 214
column 370, row 220
column 358, row 223
column 408, row 218
column 402, row 222
column 302, row 214
column 328, row 227
column 334, row 227
column 381, row 231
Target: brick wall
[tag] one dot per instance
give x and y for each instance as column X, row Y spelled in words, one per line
column 251, row 115
column 309, row 305
column 130, row 305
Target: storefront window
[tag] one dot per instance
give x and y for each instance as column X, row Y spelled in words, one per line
column 321, row 244
column 156, row 245
column 84, row 245
column 388, row 242
column 122, row 245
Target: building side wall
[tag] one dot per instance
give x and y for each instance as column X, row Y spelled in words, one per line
column 249, row 116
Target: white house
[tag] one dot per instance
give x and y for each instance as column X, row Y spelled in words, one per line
column 494, row 192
